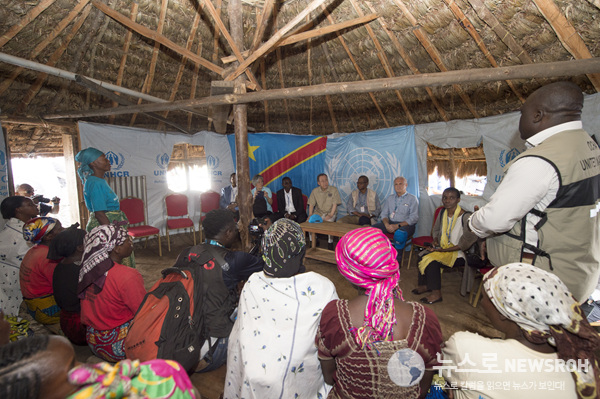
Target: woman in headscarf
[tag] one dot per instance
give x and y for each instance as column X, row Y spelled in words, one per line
column 271, row 347
column 100, row 199
column 45, row 366
column 110, row 292
column 451, row 237
column 67, row 247
column 548, row 350
column 16, row 211
column 37, row 270
column 376, row 345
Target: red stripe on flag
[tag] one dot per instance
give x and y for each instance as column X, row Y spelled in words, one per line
column 293, row 159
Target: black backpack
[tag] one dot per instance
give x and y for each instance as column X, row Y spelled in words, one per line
column 259, row 208
column 169, row 323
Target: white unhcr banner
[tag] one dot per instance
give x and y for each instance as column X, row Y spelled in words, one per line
column 3, row 171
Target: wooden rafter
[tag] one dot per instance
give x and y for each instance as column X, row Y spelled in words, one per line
column 44, row 43
column 150, row 34
column 410, row 63
column 128, row 36
column 119, row 99
column 337, row 79
column 595, row 3
column 530, row 71
column 194, row 82
column 384, row 61
column 232, row 45
column 567, row 34
column 262, row 24
column 23, row 22
column 433, row 53
column 188, row 46
column 358, row 70
column 216, row 35
column 34, row 139
column 298, row 37
column 264, row 85
column 330, row 106
column 35, row 88
column 150, row 77
column 468, row 26
column 285, row 101
column 274, row 39
column 309, row 73
column 486, row 15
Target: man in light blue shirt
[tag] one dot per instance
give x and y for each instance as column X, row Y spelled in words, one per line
column 399, row 210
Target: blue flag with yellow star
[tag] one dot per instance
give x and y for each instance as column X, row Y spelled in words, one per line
column 277, row 155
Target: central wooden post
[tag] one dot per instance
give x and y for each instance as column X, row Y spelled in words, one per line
column 240, row 114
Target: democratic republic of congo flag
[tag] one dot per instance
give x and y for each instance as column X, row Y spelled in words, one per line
column 275, row 156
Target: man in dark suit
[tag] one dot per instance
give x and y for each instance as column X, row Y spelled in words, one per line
column 290, row 203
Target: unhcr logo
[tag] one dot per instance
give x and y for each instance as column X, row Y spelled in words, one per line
column 507, row 156
column 116, row 160
column 212, row 162
column 162, row 160
column 2, row 162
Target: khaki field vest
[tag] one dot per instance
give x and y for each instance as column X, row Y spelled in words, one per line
column 370, row 200
column 569, row 231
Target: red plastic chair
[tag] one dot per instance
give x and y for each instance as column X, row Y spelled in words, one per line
column 274, row 205
column 305, row 201
column 135, row 211
column 209, row 201
column 177, row 215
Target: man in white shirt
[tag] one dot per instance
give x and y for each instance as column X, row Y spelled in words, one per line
column 290, row 203
column 552, row 190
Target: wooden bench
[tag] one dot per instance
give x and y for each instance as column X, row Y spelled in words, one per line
column 328, row 228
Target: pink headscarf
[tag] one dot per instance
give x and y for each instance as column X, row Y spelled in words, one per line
column 367, row 258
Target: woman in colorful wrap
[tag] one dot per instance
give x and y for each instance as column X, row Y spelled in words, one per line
column 45, row 367
column 16, row 211
column 450, row 227
column 548, row 350
column 37, row 270
column 110, row 292
column 271, row 349
column 67, row 247
column 376, row 345
column 100, row 199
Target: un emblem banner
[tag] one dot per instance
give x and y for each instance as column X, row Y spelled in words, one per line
column 381, row 155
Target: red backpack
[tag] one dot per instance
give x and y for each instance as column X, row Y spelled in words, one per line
column 169, row 323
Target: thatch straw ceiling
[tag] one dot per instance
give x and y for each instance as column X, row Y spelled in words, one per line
column 408, row 37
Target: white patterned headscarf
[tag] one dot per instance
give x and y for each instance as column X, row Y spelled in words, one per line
column 542, row 306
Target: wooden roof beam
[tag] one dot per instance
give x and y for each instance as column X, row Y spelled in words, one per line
column 410, row 63
column 567, row 34
column 434, row 53
column 358, row 70
column 23, row 22
column 96, row 88
column 35, row 88
column 272, row 42
column 232, row 45
column 44, row 43
column 150, row 77
column 262, row 24
column 486, row 15
column 594, row 2
column 150, row 34
column 330, row 106
column 384, row 61
column 531, row 71
column 128, row 36
column 468, row 26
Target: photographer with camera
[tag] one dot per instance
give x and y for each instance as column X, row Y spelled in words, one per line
column 45, row 205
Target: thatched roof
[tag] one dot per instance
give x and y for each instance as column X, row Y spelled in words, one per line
column 407, row 38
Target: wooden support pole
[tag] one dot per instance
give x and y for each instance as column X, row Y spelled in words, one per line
column 240, row 113
column 70, row 149
column 530, row 71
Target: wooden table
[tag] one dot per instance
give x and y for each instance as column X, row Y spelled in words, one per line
column 332, row 229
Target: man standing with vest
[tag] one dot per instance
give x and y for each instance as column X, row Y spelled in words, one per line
column 363, row 204
column 548, row 202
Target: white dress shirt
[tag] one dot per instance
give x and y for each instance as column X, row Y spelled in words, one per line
column 530, row 183
column 289, row 202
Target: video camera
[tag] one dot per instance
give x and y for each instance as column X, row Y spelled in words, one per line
column 40, row 198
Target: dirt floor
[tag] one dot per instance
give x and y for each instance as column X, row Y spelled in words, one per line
column 454, row 312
